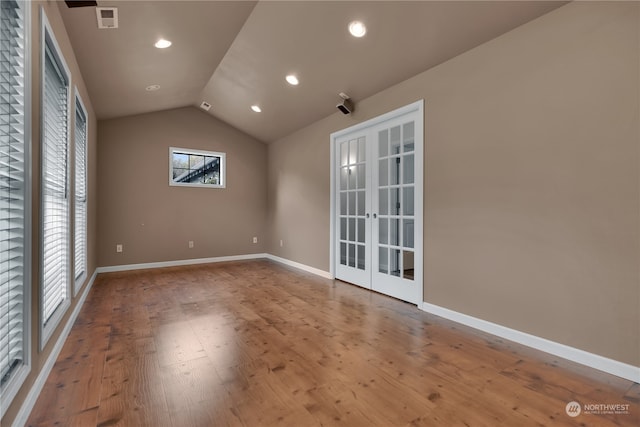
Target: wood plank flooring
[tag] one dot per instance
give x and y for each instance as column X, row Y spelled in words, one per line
column 258, row 344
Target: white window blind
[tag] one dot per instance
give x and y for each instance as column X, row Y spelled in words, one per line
column 13, row 146
column 55, row 206
column 80, row 253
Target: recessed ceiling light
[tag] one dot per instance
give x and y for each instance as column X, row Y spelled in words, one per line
column 357, row 29
column 151, row 88
column 256, row 108
column 292, row 80
column 162, row 44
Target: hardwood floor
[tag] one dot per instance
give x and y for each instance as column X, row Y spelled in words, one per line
column 257, row 344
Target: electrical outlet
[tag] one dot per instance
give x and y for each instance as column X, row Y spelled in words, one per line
column 190, row 244
column 255, row 240
column 119, row 247
column 281, row 243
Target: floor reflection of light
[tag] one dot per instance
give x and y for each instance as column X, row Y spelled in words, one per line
column 217, row 335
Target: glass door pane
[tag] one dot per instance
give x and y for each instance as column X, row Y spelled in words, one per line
column 352, row 198
column 395, row 191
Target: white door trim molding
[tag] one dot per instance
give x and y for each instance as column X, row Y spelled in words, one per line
column 414, row 107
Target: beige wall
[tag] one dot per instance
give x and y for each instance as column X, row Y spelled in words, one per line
column 532, row 185
column 155, row 221
column 39, row 357
column 299, row 196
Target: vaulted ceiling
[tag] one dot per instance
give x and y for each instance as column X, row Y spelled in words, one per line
column 235, row 54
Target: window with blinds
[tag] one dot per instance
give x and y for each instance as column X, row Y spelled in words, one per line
column 80, row 253
column 55, row 185
column 14, row 199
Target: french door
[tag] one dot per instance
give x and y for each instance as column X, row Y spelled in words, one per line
column 354, row 209
column 377, row 203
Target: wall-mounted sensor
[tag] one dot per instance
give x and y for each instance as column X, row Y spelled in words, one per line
column 346, row 106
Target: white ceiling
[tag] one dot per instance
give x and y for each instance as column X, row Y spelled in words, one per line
column 233, row 54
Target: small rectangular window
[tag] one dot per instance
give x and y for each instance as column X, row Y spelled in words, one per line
column 196, row 168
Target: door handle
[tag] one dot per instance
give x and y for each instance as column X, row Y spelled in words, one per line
column 367, row 215
column 375, row 216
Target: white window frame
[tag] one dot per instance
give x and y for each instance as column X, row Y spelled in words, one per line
column 223, row 167
column 80, row 279
column 9, row 390
column 48, row 326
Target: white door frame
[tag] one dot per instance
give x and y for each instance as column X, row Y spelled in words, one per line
column 415, row 106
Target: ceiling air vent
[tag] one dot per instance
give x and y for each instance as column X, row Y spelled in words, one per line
column 205, row 106
column 80, row 3
column 107, row 17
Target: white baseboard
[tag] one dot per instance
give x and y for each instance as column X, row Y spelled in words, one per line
column 127, row 267
column 300, row 266
column 36, row 388
column 591, row 360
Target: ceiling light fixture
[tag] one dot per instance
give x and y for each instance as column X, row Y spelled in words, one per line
column 162, row 44
column 152, row 88
column 256, row 108
column 357, row 29
column 292, row 80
